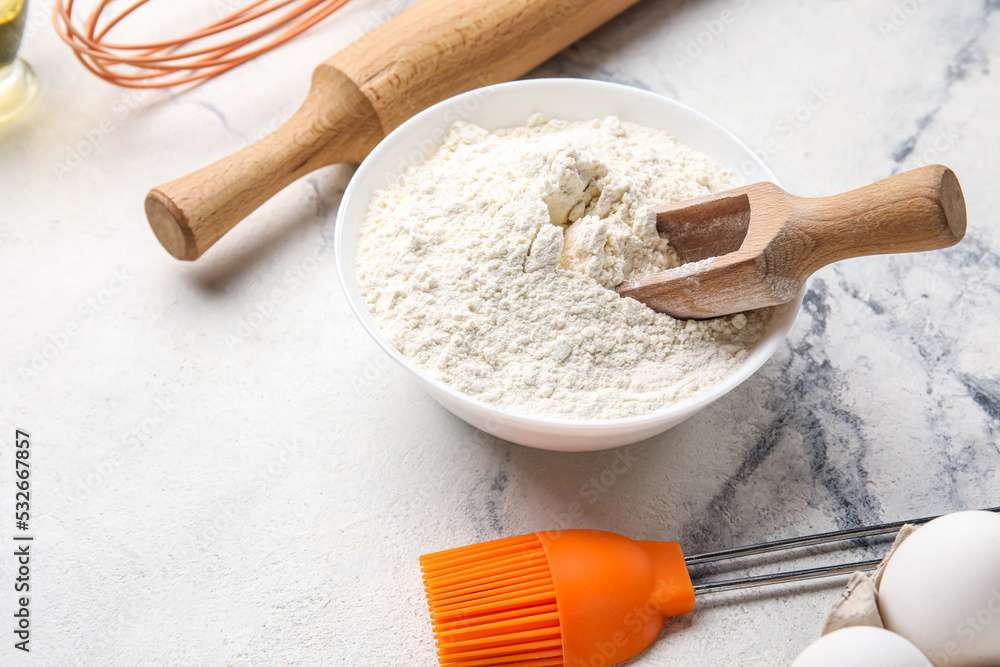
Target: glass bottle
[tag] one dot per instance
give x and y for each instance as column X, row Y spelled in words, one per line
column 17, row 79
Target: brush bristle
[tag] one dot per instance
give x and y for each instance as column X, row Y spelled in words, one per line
column 494, row 604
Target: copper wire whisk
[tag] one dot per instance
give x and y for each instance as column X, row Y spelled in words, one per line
column 218, row 47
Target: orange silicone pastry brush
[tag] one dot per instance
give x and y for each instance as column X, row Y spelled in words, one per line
column 582, row 598
column 555, row 598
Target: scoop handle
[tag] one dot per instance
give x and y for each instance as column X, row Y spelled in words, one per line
column 920, row 209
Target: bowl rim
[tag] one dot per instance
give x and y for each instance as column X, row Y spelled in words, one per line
column 784, row 314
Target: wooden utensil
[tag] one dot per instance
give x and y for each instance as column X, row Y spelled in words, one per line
column 755, row 246
column 433, row 50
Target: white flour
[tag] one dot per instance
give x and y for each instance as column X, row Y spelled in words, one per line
column 491, row 265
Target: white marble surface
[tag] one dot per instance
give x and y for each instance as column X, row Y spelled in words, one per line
column 226, row 470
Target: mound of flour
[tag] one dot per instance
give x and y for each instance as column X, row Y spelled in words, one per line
column 492, row 266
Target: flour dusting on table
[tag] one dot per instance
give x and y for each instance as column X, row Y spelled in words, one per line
column 492, row 265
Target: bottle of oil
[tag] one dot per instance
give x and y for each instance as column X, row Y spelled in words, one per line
column 17, row 80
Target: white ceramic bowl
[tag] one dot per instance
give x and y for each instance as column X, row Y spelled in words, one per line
column 509, row 105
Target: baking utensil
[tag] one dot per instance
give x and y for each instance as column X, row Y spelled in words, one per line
column 755, row 246
column 432, row 50
column 576, row 597
column 510, row 105
column 240, row 36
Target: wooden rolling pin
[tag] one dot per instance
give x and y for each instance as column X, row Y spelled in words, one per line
column 431, row 51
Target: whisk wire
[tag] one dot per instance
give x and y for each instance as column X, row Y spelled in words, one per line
column 177, row 61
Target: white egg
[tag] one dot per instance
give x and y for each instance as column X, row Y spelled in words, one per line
column 861, row 647
column 941, row 590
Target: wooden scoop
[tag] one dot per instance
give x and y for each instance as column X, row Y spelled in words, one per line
column 755, row 246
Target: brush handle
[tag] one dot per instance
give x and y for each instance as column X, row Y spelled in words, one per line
column 433, row 50
column 920, row 209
